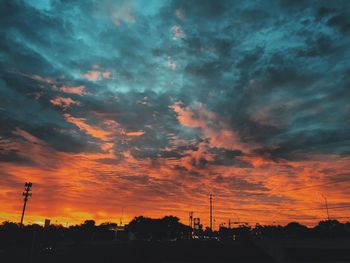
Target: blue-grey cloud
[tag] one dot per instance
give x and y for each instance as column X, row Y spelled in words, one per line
column 277, row 71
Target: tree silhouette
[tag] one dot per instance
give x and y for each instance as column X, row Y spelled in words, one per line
column 167, row 227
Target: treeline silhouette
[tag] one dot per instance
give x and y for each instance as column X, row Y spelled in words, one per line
column 325, row 228
column 151, row 240
column 168, row 228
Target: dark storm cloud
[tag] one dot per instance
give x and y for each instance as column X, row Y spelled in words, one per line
column 240, row 184
column 228, row 158
column 341, row 21
column 20, row 109
column 14, row 156
column 262, row 75
column 9, row 180
column 278, row 71
column 336, row 178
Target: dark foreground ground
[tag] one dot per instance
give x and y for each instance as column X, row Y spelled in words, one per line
column 263, row 250
column 181, row 251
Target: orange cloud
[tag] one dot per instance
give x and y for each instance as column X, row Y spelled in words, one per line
column 71, row 187
column 26, row 135
column 95, row 75
column 137, row 133
column 78, row 90
column 64, row 102
column 88, row 129
column 212, row 126
column 42, row 79
column 92, row 75
column 106, row 74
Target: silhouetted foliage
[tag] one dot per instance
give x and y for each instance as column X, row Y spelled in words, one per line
column 90, row 241
column 165, row 228
column 295, row 229
column 226, row 233
column 88, row 232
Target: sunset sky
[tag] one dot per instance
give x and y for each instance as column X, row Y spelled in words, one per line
column 114, row 109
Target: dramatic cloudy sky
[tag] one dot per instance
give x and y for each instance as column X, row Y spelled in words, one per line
column 121, row 108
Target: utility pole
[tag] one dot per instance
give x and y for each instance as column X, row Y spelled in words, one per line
column 326, row 203
column 121, row 218
column 26, row 194
column 211, row 211
column 190, row 219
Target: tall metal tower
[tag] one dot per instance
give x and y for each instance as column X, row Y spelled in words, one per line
column 211, row 211
column 26, row 194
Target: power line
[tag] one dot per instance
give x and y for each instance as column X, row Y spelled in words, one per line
column 326, row 203
column 290, row 209
column 312, row 218
column 311, row 186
